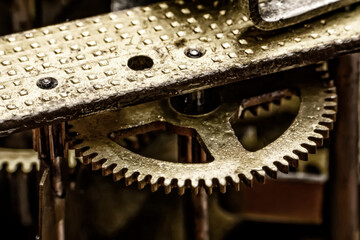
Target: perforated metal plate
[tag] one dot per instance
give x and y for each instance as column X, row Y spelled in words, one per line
column 89, row 57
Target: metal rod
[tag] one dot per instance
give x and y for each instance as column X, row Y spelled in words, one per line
column 196, row 205
column 50, row 143
column 344, row 152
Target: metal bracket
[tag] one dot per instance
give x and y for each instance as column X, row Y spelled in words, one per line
column 77, row 68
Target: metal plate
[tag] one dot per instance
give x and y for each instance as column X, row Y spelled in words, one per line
column 89, row 58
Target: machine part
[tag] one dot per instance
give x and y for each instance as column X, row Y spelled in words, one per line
column 89, row 58
column 275, row 14
column 228, row 163
column 344, row 164
column 13, row 159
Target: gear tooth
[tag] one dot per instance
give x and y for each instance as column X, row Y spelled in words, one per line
column 317, row 139
column 180, row 183
column 271, row 107
column 271, row 171
column 222, row 189
column 27, row 167
column 330, row 105
column 194, row 183
column 128, row 174
column 292, row 162
column 167, row 189
column 327, row 122
column 237, row 186
column 302, row 153
column 12, row 167
column 154, row 187
column 246, row 179
column 259, row 175
column 261, row 111
column 181, row 191
column 167, row 182
column 330, row 90
column 77, row 143
column 141, row 177
column 282, row 166
column 248, row 114
column 97, row 165
column 311, row 147
column 208, row 183
column 143, row 181
column 235, row 181
column 82, row 148
column 142, row 184
column 209, row 190
column 117, row 176
column 153, row 180
column 331, row 114
column 88, row 159
column 322, row 130
column 222, row 181
column 107, row 170
column 129, row 180
column 331, row 98
column 195, row 190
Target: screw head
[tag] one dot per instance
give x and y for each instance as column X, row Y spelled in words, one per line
column 194, row 53
column 47, row 83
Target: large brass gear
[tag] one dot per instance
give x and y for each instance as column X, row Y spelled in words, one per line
column 231, row 162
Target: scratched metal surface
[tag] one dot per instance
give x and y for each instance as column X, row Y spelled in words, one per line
column 89, row 57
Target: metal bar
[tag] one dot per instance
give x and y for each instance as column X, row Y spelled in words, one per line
column 91, row 74
column 50, row 143
column 196, row 202
column 344, row 155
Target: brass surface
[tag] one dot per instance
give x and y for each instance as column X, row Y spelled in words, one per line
column 230, row 164
column 89, row 57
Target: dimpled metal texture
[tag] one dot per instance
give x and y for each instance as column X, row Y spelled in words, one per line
column 88, row 57
column 231, row 162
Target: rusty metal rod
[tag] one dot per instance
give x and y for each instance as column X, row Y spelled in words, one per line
column 344, row 152
column 196, row 203
column 49, row 141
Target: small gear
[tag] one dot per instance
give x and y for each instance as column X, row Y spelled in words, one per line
column 14, row 159
column 228, row 162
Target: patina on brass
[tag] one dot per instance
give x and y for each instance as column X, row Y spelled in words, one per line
column 230, row 163
column 89, row 57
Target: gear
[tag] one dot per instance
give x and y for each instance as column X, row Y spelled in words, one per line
column 14, row 159
column 228, row 162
